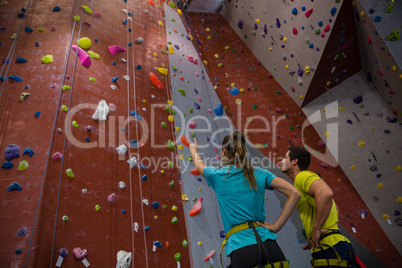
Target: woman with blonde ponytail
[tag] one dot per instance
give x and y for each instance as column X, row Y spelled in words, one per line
column 240, row 188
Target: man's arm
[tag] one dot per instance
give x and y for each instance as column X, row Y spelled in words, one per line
column 323, row 203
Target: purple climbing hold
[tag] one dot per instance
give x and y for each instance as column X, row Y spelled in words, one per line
column 63, row 252
column 300, row 72
column 188, row 37
column 195, row 91
column 378, row 175
column 265, row 29
column 371, row 10
column 14, row 186
column 255, row 26
column 22, row 232
column 369, row 78
column 278, row 23
column 396, row 212
column 357, row 99
column 240, row 24
column 324, row 165
column 222, row 234
column 196, row 106
column 176, row 46
column 391, row 119
column 349, row 121
column 12, row 151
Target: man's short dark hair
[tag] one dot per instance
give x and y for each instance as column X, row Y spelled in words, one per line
column 303, row 156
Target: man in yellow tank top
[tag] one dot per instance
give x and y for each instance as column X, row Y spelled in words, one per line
column 318, row 213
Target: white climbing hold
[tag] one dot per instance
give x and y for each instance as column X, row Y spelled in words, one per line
column 123, row 60
column 145, row 201
column 122, row 185
column 126, row 77
column 101, row 112
column 122, row 149
column 113, row 87
column 132, row 162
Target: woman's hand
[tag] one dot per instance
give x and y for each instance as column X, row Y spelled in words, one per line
column 193, row 146
column 270, row 227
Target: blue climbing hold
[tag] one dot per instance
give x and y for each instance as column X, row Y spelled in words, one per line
column 87, row 139
column 28, row 29
column 29, row 151
column 36, row 43
column 146, row 228
column 143, row 166
column 144, row 178
column 255, row 26
column 155, row 204
column 196, row 106
column 218, row 110
column 278, row 23
column 303, row 8
column 21, row 15
column 158, row 244
column 265, row 29
column 130, row 44
column 136, row 115
column 188, row 37
column 378, row 19
column 320, row 23
column 7, row 165
column 129, row 29
column 123, row 211
column 294, row 11
column 14, row 186
column 134, row 143
column 195, row 91
column 37, row 114
column 139, row 67
column 56, row 8
column 125, row 22
column 302, row 27
column 15, row 78
column 114, row 63
column 349, row 121
column 343, row 32
column 333, row 11
column 96, row 40
column 20, row 60
column 3, row 78
column 114, row 79
column 234, row 91
column 22, row 232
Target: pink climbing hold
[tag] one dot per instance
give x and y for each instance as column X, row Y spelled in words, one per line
column 210, row 111
column 114, row 49
column 321, row 143
column 112, row 197
column 192, row 124
column 294, row 31
column 326, row 29
column 97, row 14
column 190, row 58
column 324, row 165
column 238, row 42
column 57, row 156
column 293, row 89
column 197, row 74
column 84, row 57
column 395, row 112
column 369, row 40
column 380, row 73
column 199, row 99
column 80, row 254
column 308, row 13
column 323, row 35
column 195, row 61
column 53, row 29
column 278, row 110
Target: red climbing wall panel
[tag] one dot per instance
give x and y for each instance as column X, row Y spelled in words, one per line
column 262, row 94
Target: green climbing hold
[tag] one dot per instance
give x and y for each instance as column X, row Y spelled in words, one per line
column 70, row 173
column 172, row 5
column 171, row 164
column 177, row 256
column 265, row 144
column 389, row 8
column 171, row 184
column 193, row 134
column 190, row 110
column 234, row 50
column 245, row 37
column 255, row 89
column 169, row 32
column 251, row 69
column 169, row 43
column 92, row 79
column 286, row 115
column 336, row 56
column 174, row 68
column 308, row 131
column 362, row 106
column 23, row 165
column 163, row 124
column 230, row 65
column 307, row 41
column 194, row 199
column 292, row 128
column 185, row 243
column 163, row 52
column 394, row 35
column 254, row 106
column 164, row 206
column 64, row 108
column 182, row 92
column 278, row 92
column 66, row 87
column 175, row 220
column 170, row 145
column 317, row 31
column 347, row 216
column 189, row 158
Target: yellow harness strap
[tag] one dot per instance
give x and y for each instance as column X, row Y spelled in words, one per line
column 330, row 262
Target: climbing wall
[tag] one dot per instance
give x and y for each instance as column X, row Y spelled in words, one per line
column 380, row 49
column 301, row 43
column 260, row 103
column 196, row 101
column 78, row 190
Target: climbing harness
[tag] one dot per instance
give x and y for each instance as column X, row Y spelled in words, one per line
column 252, row 225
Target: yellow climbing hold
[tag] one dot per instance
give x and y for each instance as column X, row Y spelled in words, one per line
column 184, row 197
column 87, row 9
column 170, row 118
column 179, row 11
column 162, row 171
column 70, row 173
column 301, row 97
column 245, row 131
column 227, row 47
column 385, row 216
column 394, row 68
column 307, row 70
column 215, row 87
column 241, row 90
column 362, row 143
column 353, row 3
column 13, row 36
column 205, row 62
column 285, row 39
column 362, row 14
column 180, row 147
column 66, row 87
column 287, row 67
column 75, row 124
column 226, row 75
column 399, row 200
column 216, row 56
column 400, row 76
column 257, row 20
column 398, row 168
column 177, row 129
column 163, row 71
column 270, row 48
column 170, row 48
column 41, row 29
column 47, row 59
column 323, row 111
column 93, row 79
column 144, row 100
column 170, row 102
column 199, row 189
column 77, row 18
column 181, row 157
column 94, row 55
column 209, row 37
column 328, row 83
column 156, row 217
column 160, row 23
column 207, row 29
column 220, row 64
column 191, row 37
column 174, row 208
column 156, row 55
column 352, row 167
column 238, row 101
column 64, row 108
column 3, row 3
column 379, row 186
column 23, row 165
column 84, row 43
column 341, row 108
column 249, row 119
column 199, row 243
column 326, row 134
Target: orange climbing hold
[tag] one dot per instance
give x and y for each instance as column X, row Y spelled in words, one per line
column 181, row 78
column 174, row 30
column 196, row 208
column 195, row 172
column 185, row 141
column 151, row 2
column 153, row 30
column 155, row 80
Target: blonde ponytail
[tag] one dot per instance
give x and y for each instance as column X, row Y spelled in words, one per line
column 236, row 153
